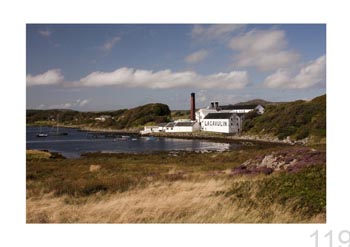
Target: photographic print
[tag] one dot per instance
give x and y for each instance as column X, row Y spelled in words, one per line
column 176, row 123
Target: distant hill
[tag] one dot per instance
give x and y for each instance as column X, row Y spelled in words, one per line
column 258, row 102
column 143, row 115
column 119, row 119
column 298, row 119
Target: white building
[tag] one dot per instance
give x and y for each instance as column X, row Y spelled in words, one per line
column 222, row 122
column 216, row 108
column 161, row 127
column 242, row 108
column 214, row 118
column 103, row 118
column 182, row 126
column 149, row 129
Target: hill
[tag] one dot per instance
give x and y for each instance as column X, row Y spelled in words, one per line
column 298, row 120
column 258, row 102
column 119, row 119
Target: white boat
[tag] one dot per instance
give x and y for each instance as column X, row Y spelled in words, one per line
column 150, row 138
column 41, row 134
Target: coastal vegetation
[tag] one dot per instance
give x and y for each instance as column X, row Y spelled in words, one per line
column 119, row 119
column 260, row 182
column 175, row 187
column 297, row 120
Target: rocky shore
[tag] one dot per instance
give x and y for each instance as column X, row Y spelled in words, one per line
column 230, row 138
column 219, row 137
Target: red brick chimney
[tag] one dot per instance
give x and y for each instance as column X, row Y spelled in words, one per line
column 193, row 107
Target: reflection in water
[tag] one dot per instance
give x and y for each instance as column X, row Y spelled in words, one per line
column 77, row 142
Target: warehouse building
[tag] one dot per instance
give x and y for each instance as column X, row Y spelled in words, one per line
column 182, row 126
column 225, row 111
column 214, row 118
column 222, row 122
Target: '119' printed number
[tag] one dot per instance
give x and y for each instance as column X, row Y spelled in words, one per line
column 343, row 238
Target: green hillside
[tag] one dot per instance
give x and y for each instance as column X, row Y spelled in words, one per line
column 298, row 119
column 259, row 102
column 119, row 119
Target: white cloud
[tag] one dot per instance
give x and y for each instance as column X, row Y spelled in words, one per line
column 41, row 106
column 309, row 75
column 108, row 46
column 50, row 77
column 129, row 77
column 74, row 104
column 197, row 56
column 84, row 102
column 214, row 32
column 264, row 49
column 45, row 33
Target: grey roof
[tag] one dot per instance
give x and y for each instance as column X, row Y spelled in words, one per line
column 184, row 124
column 171, row 124
column 237, row 107
column 224, row 115
column 162, row 124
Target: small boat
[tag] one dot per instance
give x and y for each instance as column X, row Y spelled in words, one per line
column 134, row 139
column 150, row 138
column 41, row 134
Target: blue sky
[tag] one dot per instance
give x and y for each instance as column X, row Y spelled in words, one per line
column 106, row 67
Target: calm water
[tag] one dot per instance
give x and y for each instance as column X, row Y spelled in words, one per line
column 78, row 142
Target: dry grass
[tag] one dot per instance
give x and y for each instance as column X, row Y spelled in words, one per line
column 37, row 154
column 94, row 168
column 160, row 202
column 163, row 188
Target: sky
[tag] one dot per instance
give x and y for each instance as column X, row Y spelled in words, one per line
column 100, row 67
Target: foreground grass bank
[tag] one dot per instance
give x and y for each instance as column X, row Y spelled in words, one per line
column 177, row 187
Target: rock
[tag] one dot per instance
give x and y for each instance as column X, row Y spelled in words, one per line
column 269, row 161
column 94, row 168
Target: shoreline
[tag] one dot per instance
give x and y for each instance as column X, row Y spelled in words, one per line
column 222, row 138
column 216, row 137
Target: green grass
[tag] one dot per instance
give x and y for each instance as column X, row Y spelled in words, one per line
column 120, row 119
column 303, row 192
column 37, row 155
column 298, row 119
column 120, row 172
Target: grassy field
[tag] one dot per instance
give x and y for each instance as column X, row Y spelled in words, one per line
column 177, row 187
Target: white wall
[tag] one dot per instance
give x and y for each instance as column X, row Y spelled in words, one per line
column 180, row 129
column 216, row 125
column 149, row 129
column 241, row 111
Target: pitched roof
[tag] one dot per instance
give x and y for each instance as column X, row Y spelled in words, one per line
column 184, row 124
column 171, row 124
column 237, row 107
column 224, row 115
